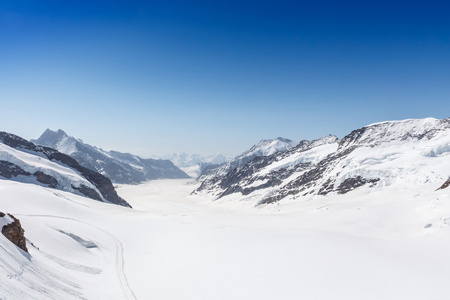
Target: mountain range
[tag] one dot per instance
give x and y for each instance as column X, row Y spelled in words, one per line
column 372, row 209
column 120, row 167
column 404, row 153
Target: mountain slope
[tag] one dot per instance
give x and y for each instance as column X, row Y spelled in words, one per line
column 409, row 152
column 21, row 160
column 119, row 167
column 263, row 148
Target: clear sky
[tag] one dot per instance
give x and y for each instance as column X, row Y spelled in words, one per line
column 156, row 77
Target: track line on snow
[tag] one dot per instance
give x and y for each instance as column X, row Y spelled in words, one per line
column 121, row 272
column 119, row 254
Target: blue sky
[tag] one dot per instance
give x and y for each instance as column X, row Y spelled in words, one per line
column 218, row 76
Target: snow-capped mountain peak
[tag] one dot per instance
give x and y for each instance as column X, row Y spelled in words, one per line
column 119, row 167
column 378, row 156
column 268, row 147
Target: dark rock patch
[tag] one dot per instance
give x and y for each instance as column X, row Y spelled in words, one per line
column 350, row 184
column 46, row 179
column 15, row 233
column 445, row 185
column 9, row 170
column 87, row 191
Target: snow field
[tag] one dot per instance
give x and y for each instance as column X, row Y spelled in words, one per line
column 362, row 245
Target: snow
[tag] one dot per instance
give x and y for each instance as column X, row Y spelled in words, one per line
column 5, row 220
column 314, row 155
column 405, row 153
column 192, row 171
column 268, row 147
column 67, row 145
column 389, row 241
column 184, row 160
column 30, row 162
column 392, row 244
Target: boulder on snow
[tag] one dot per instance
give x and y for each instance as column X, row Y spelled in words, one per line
column 14, row 232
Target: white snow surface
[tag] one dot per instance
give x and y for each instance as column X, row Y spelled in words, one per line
column 268, row 147
column 5, row 220
column 392, row 244
column 33, row 162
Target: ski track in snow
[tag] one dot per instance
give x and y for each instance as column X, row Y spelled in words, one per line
column 120, row 265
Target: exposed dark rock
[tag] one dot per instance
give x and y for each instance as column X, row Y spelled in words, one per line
column 445, row 185
column 327, row 187
column 46, row 179
column 352, row 183
column 88, row 192
column 15, row 233
column 9, row 170
column 17, row 142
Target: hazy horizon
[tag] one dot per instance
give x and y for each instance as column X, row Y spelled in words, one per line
column 200, row 77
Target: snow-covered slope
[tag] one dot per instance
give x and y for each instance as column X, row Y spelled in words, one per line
column 70, row 255
column 263, row 148
column 23, row 161
column 407, row 153
column 119, row 167
column 389, row 245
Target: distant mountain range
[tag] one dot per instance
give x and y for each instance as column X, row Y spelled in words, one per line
column 403, row 154
column 194, row 164
column 188, row 160
column 119, row 167
column 23, row 161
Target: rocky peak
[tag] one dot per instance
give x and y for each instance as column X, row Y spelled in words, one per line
column 13, row 231
column 268, row 147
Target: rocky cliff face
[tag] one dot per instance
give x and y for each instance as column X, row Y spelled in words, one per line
column 373, row 157
column 13, row 231
column 119, row 167
column 28, row 164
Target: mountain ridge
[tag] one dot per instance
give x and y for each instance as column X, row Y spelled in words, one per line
column 374, row 156
column 124, row 168
column 24, row 161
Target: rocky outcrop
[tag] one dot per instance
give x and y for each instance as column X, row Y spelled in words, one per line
column 48, row 180
column 14, row 232
column 445, row 185
column 350, row 184
column 9, row 170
